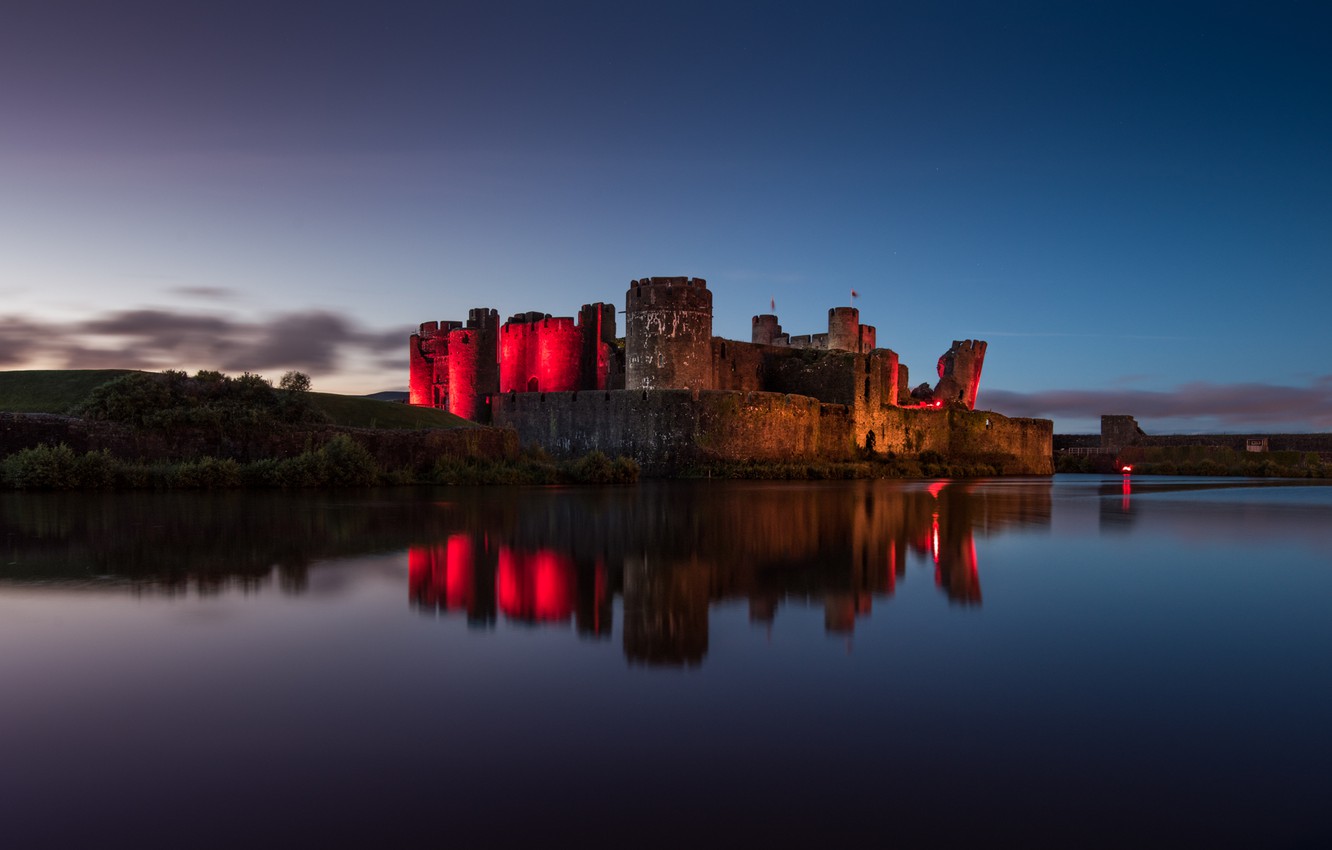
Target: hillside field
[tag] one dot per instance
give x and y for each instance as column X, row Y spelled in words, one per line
column 59, row 391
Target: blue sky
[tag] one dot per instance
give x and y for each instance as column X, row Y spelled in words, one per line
column 1131, row 202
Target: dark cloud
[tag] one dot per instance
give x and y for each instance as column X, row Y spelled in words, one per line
column 18, row 339
column 158, row 338
column 1231, row 405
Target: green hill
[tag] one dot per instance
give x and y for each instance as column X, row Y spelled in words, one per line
column 57, row 391
column 50, row 390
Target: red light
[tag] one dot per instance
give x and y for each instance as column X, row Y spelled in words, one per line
column 1127, row 470
column 938, row 404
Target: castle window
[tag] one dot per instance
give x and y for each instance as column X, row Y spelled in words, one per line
column 723, row 351
column 532, row 384
column 867, row 393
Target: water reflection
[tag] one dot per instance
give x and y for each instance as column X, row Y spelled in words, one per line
column 544, row 557
column 670, row 553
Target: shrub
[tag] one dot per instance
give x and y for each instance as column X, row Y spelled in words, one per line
column 208, row 473
column 348, row 463
column 42, row 468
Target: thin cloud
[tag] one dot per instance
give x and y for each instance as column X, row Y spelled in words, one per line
column 211, row 293
column 1232, row 405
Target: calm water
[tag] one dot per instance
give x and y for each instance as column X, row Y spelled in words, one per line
column 1072, row 662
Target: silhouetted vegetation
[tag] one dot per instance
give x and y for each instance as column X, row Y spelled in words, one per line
column 172, row 400
column 65, row 391
column 536, row 467
column 342, row 462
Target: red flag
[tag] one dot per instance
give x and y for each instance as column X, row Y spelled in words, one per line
column 855, row 294
column 772, row 304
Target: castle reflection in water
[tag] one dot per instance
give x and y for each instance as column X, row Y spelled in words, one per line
column 556, row 558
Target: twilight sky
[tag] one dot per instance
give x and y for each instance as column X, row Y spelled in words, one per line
column 1131, row 201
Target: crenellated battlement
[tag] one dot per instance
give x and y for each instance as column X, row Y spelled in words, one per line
column 696, row 282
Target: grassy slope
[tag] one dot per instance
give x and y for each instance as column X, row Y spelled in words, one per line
column 56, row 391
column 357, row 412
column 50, row 391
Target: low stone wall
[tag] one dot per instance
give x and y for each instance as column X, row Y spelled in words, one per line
column 666, row 430
column 391, row 448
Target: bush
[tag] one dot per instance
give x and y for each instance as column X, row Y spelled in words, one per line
column 42, row 468
column 207, row 473
column 349, row 464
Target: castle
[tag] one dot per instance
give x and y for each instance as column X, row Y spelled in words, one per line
column 671, row 393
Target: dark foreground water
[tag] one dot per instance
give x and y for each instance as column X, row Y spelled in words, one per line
column 1072, row 663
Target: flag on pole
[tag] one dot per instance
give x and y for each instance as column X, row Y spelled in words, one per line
column 854, row 294
column 772, row 304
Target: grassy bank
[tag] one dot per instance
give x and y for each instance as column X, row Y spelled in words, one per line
column 65, row 391
column 1204, row 460
column 51, row 390
column 340, row 463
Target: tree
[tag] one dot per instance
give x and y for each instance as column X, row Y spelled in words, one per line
column 295, row 382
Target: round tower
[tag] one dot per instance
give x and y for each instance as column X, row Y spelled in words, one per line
column 668, row 334
column 766, row 330
column 466, row 352
column 474, row 365
column 844, row 329
column 513, row 357
column 559, row 350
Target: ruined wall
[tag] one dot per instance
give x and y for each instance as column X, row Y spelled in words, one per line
column 421, row 366
column 829, row 376
column 666, row 430
column 1019, row 445
column 596, row 324
column 1118, row 431
column 668, row 334
column 737, row 365
column 428, row 352
column 960, row 372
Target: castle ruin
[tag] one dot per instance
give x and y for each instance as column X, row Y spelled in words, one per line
column 670, row 392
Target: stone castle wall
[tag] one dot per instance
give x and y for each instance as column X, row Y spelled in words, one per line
column 666, row 430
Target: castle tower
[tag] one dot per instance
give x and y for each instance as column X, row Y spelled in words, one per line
column 766, row 330
column 474, row 365
column 559, row 347
column 421, row 365
column 596, row 322
column 668, row 334
column 844, row 329
column 960, row 372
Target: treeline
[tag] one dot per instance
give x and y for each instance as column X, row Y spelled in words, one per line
column 341, row 462
column 173, row 400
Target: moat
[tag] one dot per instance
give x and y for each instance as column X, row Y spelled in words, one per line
column 1088, row 660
